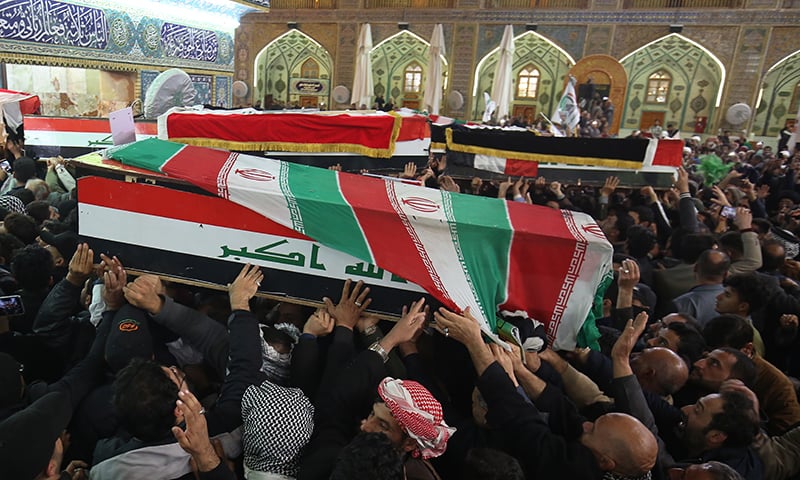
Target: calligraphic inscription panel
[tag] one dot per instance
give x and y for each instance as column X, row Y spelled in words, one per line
column 189, row 43
column 53, row 23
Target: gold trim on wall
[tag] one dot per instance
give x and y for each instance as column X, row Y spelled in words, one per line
column 98, row 64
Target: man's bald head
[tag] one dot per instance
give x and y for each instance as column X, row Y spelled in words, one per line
column 621, row 444
column 660, row 370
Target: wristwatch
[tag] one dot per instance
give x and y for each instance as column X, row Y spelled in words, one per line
column 376, row 347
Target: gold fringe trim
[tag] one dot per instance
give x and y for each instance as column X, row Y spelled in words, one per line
column 539, row 157
column 438, row 146
column 300, row 147
column 288, row 147
column 398, row 120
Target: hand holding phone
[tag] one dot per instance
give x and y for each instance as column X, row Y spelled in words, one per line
column 11, row 305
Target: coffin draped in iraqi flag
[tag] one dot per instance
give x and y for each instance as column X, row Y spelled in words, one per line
column 467, row 251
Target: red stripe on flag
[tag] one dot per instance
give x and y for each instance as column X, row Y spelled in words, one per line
column 530, row 268
column 669, row 153
column 388, row 239
column 165, row 202
column 82, row 125
column 201, row 165
column 521, row 168
column 371, row 131
column 414, row 128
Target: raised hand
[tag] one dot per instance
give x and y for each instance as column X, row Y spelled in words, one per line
column 319, row 324
column 609, row 186
column 409, row 171
column 462, row 328
column 244, row 287
column 743, row 219
column 81, row 265
column 144, row 293
column 194, row 439
column 719, row 197
column 628, row 275
column 114, row 280
column 353, row 302
column 408, row 327
column 633, row 330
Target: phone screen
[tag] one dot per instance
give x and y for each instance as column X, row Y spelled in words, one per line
column 5, row 166
column 11, row 305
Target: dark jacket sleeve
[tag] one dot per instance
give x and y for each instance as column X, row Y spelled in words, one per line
column 221, row 472
column 688, row 214
column 88, row 373
column 522, row 426
column 244, row 369
column 336, row 418
column 200, row 331
column 54, row 318
column 305, row 367
column 340, row 354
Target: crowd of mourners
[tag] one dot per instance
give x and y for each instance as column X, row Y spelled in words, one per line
column 107, row 376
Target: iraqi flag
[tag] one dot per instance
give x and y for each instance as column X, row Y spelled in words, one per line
column 467, row 251
column 490, row 163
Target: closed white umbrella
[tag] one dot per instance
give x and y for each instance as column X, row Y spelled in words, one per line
column 433, row 82
column 362, row 82
column 501, row 86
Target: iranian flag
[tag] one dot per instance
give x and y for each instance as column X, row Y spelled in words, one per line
column 467, row 251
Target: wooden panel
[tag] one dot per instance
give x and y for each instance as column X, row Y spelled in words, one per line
column 648, row 119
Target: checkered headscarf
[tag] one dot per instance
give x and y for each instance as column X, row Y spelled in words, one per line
column 419, row 415
column 277, row 424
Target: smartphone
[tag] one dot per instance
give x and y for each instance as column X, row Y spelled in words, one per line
column 728, row 212
column 5, row 166
column 11, row 305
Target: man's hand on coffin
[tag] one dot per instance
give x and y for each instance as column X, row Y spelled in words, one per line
column 114, row 279
column 609, row 186
column 81, row 265
column 409, row 171
column 319, row 324
column 144, row 293
column 244, row 287
column 407, row 327
column 353, row 302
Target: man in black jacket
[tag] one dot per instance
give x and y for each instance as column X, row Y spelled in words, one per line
column 615, row 444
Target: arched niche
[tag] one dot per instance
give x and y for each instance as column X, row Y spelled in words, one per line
column 530, row 49
column 601, row 76
column 293, row 70
column 779, row 97
column 696, row 79
column 400, row 69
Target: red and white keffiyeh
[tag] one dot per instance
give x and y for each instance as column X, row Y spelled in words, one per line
column 419, row 414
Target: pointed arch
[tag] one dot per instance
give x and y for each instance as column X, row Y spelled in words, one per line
column 779, row 96
column 696, row 82
column 283, row 60
column 530, row 48
column 391, row 58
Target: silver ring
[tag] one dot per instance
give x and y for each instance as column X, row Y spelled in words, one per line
column 626, row 271
column 446, row 332
column 202, row 411
column 358, row 304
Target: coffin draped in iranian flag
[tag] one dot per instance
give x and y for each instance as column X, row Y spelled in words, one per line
column 467, row 251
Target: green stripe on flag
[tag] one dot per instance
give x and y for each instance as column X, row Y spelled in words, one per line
column 481, row 231
column 316, row 192
column 151, row 154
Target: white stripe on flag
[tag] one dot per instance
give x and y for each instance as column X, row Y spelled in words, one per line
column 207, row 241
column 586, row 270
column 423, row 213
column 489, row 163
column 260, row 184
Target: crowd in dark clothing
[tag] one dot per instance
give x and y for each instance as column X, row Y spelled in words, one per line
column 107, row 376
